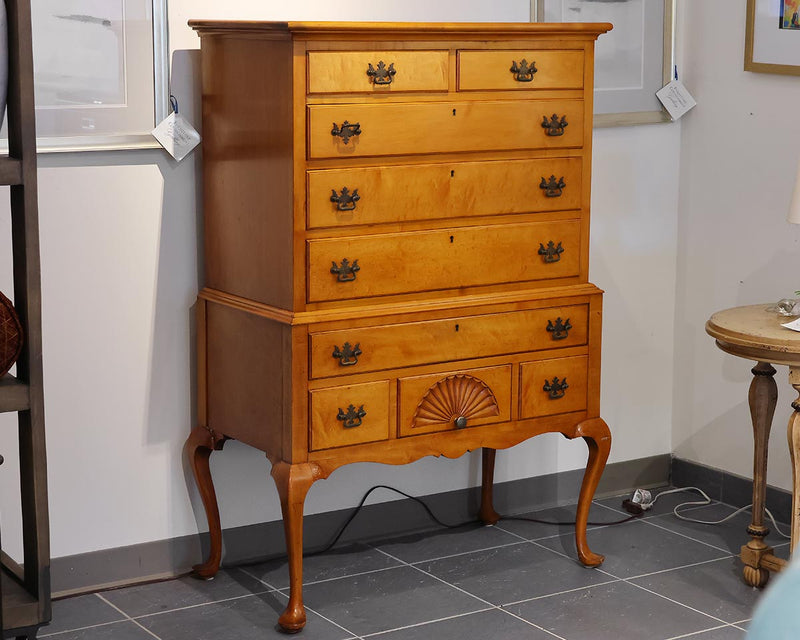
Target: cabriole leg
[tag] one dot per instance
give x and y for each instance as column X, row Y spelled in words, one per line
column 293, row 482
column 487, row 514
column 201, row 442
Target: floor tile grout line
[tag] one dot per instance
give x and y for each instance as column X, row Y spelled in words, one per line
column 346, row 575
column 678, row 533
column 685, row 566
column 560, row 593
column 256, row 578
column 422, row 624
column 694, row 633
column 720, row 620
column 528, row 622
column 89, row 626
column 203, row 604
column 138, row 624
column 441, row 580
column 464, row 553
column 572, row 559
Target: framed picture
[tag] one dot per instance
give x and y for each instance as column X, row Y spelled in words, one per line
column 772, row 37
column 100, row 73
column 632, row 61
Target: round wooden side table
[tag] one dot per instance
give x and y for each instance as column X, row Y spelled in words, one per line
column 753, row 332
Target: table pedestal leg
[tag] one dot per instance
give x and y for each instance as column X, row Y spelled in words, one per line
column 794, row 451
column 763, row 397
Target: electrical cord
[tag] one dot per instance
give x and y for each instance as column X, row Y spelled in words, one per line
column 433, row 517
column 646, row 505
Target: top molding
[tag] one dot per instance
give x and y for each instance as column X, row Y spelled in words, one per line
column 288, row 29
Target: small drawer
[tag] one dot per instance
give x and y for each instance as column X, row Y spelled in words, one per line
column 448, row 401
column 377, row 71
column 371, row 195
column 520, row 69
column 397, row 263
column 549, row 387
column 371, row 129
column 346, row 351
column 348, row 415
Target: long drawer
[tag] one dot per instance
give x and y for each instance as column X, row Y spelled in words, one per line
column 377, row 71
column 372, row 129
column 520, row 69
column 358, row 350
column 370, row 195
column 397, row 263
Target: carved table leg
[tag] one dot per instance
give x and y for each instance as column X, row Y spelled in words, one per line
column 293, row 482
column 763, row 397
column 487, row 514
column 794, row 450
column 598, row 438
column 201, row 442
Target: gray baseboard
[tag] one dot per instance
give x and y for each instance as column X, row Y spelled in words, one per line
column 728, row 487
column 167, row 558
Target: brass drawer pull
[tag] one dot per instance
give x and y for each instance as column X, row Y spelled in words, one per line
column 523, row 72
column 352, row 418
column 346, row 272
column 346, row 201
column 550, row 253
column 348, row 354
column 559, row 329
column 460, row 422
column 555, row 389
column 554, row 126
column 552, row 188
column 381, row 75
column 346, row 131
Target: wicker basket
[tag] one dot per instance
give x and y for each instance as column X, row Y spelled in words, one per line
column 10, row 335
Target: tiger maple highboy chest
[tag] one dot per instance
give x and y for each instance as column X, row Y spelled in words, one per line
column 396, row 251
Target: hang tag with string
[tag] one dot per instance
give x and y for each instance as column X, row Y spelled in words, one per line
column 175, row 134
column 676, row 98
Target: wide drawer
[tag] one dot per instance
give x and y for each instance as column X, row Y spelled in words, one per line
column 347, row 351
column 377, row 71
column 351, row 414
column 396, row 263
column 482, row 70
column 548, row 387
column 369, row 195
column 371, row 129
column 448, row 401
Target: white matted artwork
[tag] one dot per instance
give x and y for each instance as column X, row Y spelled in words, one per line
column 100, row 73
column 772, row 36
column 632, row 61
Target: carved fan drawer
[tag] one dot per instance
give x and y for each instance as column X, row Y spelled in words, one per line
column 520, row 69
column 352, row 414
column 371, row 129
column 370, row 195
column 396, row 263
column 377, row 71
column 448, row 401
column 358, row 350
column 554, row 386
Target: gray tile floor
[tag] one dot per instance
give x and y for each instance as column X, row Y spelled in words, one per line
column 662, row 579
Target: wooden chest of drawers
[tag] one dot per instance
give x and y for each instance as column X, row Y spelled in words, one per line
column 396, row 250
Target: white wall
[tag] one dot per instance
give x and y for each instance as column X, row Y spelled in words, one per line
column 739, row 154
column 120, row 274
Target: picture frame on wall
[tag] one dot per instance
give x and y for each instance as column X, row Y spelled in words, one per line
column 632, row 61
column 101, row 75
column 772, row 37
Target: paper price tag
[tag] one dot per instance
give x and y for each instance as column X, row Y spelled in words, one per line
column 676, row 99
column 176, row 135
column 794, row 325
